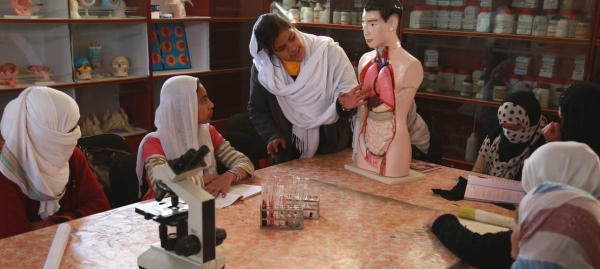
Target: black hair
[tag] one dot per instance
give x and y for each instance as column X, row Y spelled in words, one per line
column 580, row 114
column 267, row 29
column 386, row 8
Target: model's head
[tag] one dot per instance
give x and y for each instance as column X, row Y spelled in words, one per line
column 276, row 35
column 380, row 22
column 579, row 112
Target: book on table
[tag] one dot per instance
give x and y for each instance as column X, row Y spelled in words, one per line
column 237, row 192
column 495, row 190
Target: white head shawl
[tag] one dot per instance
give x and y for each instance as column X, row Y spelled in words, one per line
column 309, row 101
column 38, row 144
column 177, row 125
column 571, row 163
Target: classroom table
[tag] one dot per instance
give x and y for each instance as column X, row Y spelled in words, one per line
column 363, row 224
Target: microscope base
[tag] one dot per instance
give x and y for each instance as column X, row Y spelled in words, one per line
column 157, row 257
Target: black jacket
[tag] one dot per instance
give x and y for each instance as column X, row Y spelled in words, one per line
column 487, row 251
column 271, row 123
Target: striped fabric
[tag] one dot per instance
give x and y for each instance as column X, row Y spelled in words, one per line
column 225, row 154
column 559, row 227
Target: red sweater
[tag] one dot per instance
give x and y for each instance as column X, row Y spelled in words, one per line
column 84, row 196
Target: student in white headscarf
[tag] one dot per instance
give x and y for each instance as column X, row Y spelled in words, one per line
column 45, row 178
column 182, row 119
column 558, row 227
column 571, row 163
column 303, row 91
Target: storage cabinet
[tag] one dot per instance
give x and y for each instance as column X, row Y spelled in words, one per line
column 217, row 35
column 504, row 56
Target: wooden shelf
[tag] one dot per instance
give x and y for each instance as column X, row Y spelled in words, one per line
column 164, row 74
column 75, row 21
column 493, row 35
column 80, row 84
column 456, row 97
column 207, row 19
column 598, row 43
column 328, row 26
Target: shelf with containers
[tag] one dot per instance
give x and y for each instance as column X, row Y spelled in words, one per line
column 513, row 48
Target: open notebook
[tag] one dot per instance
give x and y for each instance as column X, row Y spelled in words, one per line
column 495, row 190
column 239, row 191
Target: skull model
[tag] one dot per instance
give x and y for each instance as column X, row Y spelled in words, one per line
column 120, row 66
column 83, row 68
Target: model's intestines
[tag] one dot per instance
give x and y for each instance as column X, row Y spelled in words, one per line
column 380, row 132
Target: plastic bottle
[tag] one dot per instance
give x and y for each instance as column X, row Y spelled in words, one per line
column 579, row 66
column 543, row 95
column 345, row 18
column 525, row 22
column 471, row 12
column 552, row 26
column 309, row 15
column 504, row 22
column 478, row 89
column 433, row 81
column 471, row 151
column 467, row 87
column 459, row 78
column 353, row 17
column 550, row 4
column 448, row 78
column 295, row 14
column 483, row 20
column 337, row 16
column 456, row 17
column 527, row 83
column 582, row 30
column 417, row 17
column 540, row 25
column 431, row 56
column 317, row 12
column 572, row 30
column 513, row 79
column 500, row 92
column 325, row 16
column 522, row 64
column 555, row 84
column 548, row 63
column 443, row 17
column 562, row 27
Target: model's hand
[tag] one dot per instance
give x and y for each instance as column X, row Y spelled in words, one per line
column 552, row 132
column 273, row 146
column 355, row 97
column 433, row 219
column 220, row 184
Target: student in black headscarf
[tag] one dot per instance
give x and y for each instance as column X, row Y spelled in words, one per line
column 516, row 137
column 579, row 110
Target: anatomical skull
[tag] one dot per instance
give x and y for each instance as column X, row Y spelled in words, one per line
column 120, row 66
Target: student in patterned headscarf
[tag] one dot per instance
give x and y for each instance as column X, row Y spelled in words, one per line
column 558, row 227
column 517, row 136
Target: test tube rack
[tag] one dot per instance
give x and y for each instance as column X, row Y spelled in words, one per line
column 290, row 217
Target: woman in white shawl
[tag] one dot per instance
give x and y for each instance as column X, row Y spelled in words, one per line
column 303, row 90
column 44, row 178
column 182, row 119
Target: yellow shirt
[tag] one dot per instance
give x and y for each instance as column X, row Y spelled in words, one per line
column 293, row 68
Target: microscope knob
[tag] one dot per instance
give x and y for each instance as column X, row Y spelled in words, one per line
column 188, row 245
column 221, row 235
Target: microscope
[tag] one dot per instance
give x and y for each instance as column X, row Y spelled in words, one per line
column 195, row 241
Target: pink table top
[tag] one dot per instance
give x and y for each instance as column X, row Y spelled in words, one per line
column 363, row 224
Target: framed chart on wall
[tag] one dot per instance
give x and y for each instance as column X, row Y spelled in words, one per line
column 173, row 46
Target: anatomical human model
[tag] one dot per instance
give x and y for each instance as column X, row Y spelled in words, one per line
column 25, row 7
column 41, row 73
column 9, row 74
column 116, row 120
column 383, row 144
